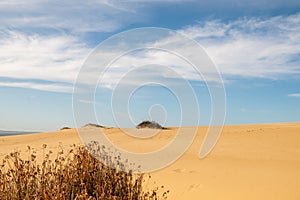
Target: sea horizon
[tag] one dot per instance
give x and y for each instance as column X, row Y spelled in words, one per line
column 11, row 133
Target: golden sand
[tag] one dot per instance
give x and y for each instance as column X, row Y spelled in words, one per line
column 248, row 162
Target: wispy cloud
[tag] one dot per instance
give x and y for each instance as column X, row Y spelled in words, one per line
column 294, row 95
column 55, row 58
column 252, row 47
column 86, row 101
column 248, row 47
column 39, row 86
column 79, row 16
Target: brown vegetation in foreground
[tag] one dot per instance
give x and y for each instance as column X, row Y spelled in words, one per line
column 72, row 175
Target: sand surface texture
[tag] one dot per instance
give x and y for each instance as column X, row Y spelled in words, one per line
column 248, row 162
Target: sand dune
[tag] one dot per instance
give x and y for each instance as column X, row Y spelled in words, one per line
column 248, row 162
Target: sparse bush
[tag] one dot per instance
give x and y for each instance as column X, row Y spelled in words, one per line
column 65, row 128
column 74, row 175
column 149, row 124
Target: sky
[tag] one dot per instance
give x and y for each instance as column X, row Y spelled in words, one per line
column 254, row 45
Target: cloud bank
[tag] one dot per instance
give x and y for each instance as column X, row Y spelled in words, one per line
column 248, row 47
column 30, row 60
column 267, row 48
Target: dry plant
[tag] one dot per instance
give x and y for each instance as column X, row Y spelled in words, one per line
column 75, row 174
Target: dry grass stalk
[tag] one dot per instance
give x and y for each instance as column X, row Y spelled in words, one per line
column 72, row 175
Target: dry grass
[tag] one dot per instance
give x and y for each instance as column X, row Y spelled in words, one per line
column 73, row 175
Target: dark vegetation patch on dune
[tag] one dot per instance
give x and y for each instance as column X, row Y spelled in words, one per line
column 149, row 124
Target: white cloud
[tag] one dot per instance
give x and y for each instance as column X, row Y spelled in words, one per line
column 55, row 58
column 86, row 101
column 267, row 48
column 294, row 95
column 142, row 66
column 79, row 16
column 39, row 86
column 249, row 47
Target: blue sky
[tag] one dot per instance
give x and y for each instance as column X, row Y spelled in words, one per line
column 43, row 44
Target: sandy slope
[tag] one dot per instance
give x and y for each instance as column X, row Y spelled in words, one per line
column 249, row 161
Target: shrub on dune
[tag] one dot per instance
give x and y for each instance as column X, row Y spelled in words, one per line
column 149, row 124
column 75, row 174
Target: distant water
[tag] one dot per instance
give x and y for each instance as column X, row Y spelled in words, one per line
column 8, row 133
